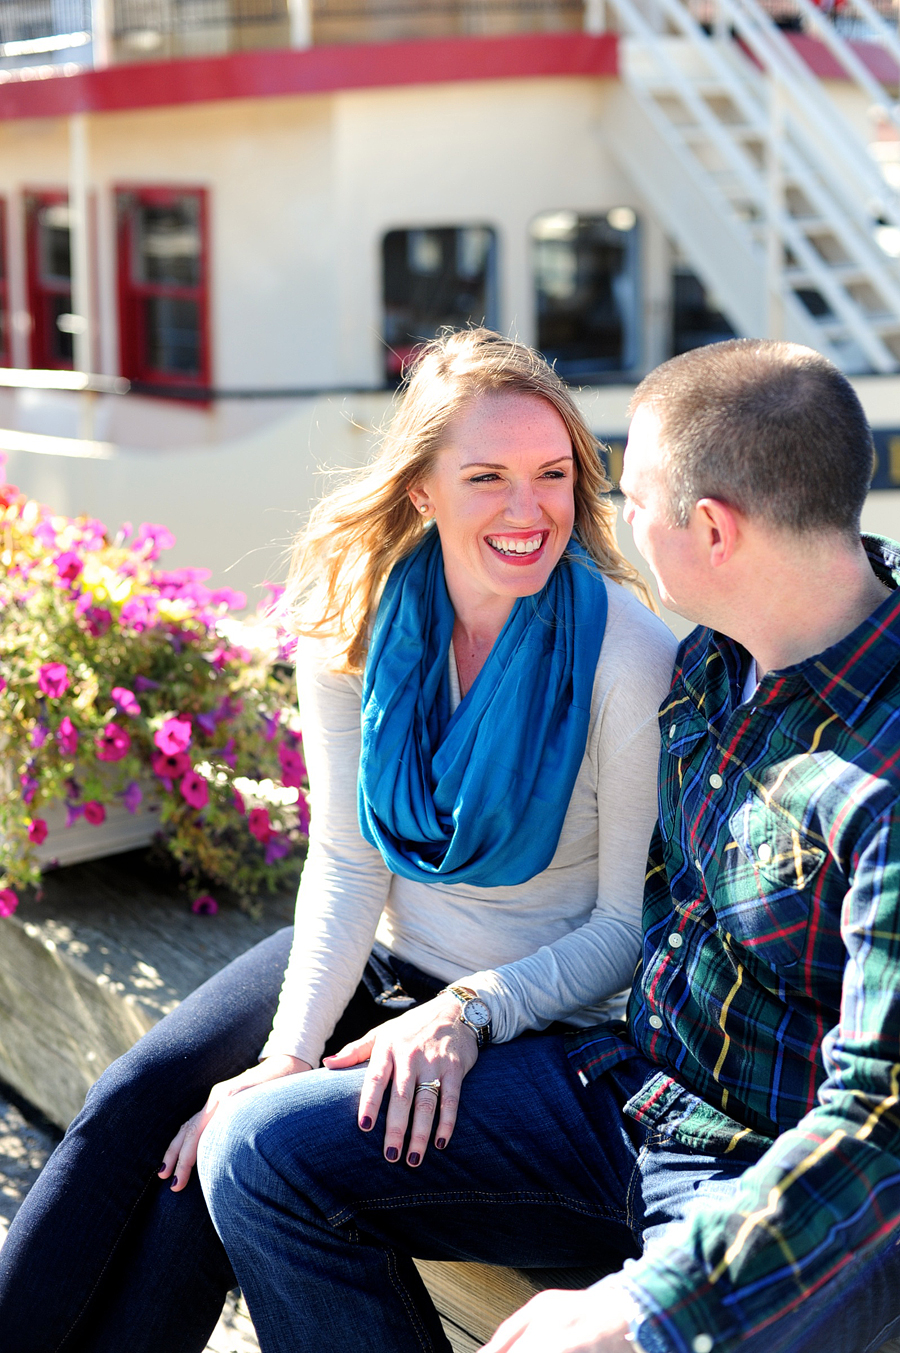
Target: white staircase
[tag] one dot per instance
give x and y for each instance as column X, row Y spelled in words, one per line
column 760, row 176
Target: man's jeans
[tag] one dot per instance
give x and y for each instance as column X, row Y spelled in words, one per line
column 540, row 1172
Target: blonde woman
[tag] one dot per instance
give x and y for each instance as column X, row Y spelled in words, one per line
column 478, row 687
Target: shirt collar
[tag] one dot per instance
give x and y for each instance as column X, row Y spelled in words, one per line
column 846, row 675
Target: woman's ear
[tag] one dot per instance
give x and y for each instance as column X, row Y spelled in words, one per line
column 419, row 499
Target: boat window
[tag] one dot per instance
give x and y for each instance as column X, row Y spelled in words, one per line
column 587, row 293
column 434, row 276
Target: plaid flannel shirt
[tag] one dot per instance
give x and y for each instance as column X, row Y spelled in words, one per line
column 768, row 993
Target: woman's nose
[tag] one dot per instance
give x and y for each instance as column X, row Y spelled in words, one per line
column 522, row 507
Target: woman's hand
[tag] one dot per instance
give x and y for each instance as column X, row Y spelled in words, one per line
column 425, row 1044
column 181, row 1156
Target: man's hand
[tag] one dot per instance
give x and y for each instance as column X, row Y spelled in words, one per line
column 591, row 1321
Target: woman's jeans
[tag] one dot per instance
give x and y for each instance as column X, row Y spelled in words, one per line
column 540, row 1172
column 102, row 1257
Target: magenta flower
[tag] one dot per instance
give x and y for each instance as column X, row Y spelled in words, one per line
column 39, row 735
column 170, row 766
column 151, row 540
column 259, row 825
column 8, row 901
column 29, row 787
column 303, row 815
column 138, row 613
column 226, row 596
column 67, row 737
column 174, row 736
column 125, row 701
column 238, row 802
column 94, row 812
column 292, row 767
column 37, row 831
column 195, row 790
column 133, row 796
column 2, row 685
column 68, row 566
column 96, row 619
column 53, row 679
column 205, row 905
column 112, row 743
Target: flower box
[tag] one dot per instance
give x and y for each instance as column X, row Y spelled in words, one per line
column 132, row 705
column 120, row 831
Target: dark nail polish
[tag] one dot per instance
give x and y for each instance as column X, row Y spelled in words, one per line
column 413, row 1157
column 392, row 1153
column 174, row 1181
column 441, row 1143
column 161, row 1168
column 365, row 1123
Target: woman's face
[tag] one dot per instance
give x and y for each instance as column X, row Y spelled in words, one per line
column 502, row 495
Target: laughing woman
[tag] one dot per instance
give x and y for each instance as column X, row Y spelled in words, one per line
column 478, row 688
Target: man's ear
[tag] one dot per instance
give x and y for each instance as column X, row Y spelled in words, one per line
column 719, row 527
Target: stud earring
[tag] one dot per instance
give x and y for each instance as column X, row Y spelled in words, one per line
column 423, row 508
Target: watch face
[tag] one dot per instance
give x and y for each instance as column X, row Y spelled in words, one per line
column 477, row 1014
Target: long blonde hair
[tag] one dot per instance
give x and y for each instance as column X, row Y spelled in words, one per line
column 358, row 532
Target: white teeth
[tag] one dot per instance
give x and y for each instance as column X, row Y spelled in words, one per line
column 507, row 546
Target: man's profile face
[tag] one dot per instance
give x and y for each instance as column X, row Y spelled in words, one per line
column 670, row 551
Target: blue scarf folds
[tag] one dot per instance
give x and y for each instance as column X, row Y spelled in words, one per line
column 477, row 796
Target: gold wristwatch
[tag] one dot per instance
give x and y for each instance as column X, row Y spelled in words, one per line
column 474, row 1013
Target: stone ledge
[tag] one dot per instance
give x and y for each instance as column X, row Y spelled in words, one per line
column 111, row 947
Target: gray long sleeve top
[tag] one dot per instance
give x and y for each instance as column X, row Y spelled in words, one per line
column 557, row 947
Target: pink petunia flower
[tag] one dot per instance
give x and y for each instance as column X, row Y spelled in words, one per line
column 125, row 701
column 238, row 802
column 174, row 735
column 30, row 787
column 292, row 767
column 138, row 614
column 195, row 790
column 37, row 831
column 68, row 566
column 132, row 796
column 67, row 737
column 170, row 766
column 205, row 905
column 259, row 825
column 96, row 619
column 53, row 679
column 94, row 812
column 112, row 743
column 2, row 684
column 151, row 540
column 8, row 901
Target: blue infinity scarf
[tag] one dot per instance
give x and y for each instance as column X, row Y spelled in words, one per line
column 478, row 796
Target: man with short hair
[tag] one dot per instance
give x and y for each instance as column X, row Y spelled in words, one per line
column 735, row 1143
column 766, row 1013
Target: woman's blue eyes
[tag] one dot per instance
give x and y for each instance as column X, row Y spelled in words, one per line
column 491, row 478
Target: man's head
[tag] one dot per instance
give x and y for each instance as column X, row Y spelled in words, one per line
column 773, row 429
column 742, row 453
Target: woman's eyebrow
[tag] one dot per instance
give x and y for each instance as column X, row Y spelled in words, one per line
column 494, row 465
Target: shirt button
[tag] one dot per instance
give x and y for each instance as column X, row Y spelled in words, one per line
column 676, row 940
column 698, row 865
column 655, row 1022
column 702, row 1344
column 765, row 852
column 716, row 781
column 673, row 730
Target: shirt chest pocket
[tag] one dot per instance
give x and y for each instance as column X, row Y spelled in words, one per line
column 685, row 740
column 763, row 899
